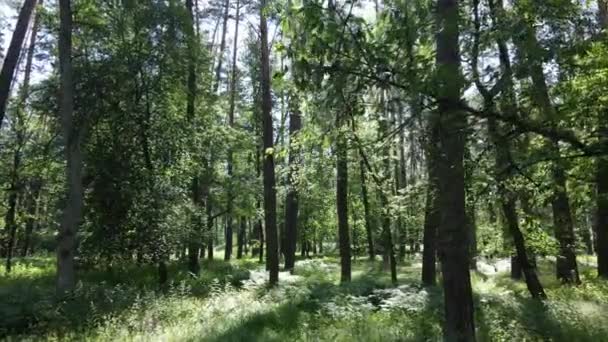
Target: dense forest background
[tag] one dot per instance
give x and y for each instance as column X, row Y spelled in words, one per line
column 165, row 149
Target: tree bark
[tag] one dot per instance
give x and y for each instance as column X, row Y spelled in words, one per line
column 342, row 201
column 11, row 59
column 291, row 200
column 72, row 213
column 431, row 213
column 194, row 245
column 270, row 196
column 233, row 83
column 369, row 221
column 241, row 238
column 601, row 220
column 453, row 234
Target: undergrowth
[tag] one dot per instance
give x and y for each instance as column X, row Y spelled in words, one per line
column 231, row 302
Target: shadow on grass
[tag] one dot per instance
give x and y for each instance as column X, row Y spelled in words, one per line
column 543, row 321
column 286, row 322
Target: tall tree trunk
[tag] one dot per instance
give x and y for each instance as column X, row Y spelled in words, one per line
column 210, row 230
column 31, row 220
column 72, row 213
column 270, row 196
column 233, row 89
column 20, row 128
column 389, row 252
column 194, row 245
column 218, row 70
column 366, row 209
column 453, row 234
column 291, row 200
column 241, row 238
column 369, row 222
column 566, row 267
column 402, row 184
column 601, row 220
column 431, row 212
column 520, row 262
column 507, row 199
column 342, row 201
column 12, row 55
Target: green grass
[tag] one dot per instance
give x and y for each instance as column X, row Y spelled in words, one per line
column 230, row 302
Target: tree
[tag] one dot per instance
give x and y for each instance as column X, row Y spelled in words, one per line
column 602, row 176
column 270, row 196
column 72, row 138
column 566, row 267
column 12, row 55
column 453, row 235
column 291, row 199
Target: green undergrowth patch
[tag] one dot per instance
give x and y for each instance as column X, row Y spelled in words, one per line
column 231, row 302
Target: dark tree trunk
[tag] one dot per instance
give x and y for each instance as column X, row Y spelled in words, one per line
column 241, row 238
column 228, row 236
column 233, row 90
column 566, row 267
column 291, row 200
column 12, row 55
column 31, row 221
column 431, row 217
column 401, row 185
column 193, row 243
column 210, row 229
column 601, row 220
column 453, row 234
column 72, row 213
column 342, row 202
column 270, row 196
column 366, row 209
column 515, row 268
column 532, row 282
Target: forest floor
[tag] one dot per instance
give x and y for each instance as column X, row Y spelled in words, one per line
column 230, row 302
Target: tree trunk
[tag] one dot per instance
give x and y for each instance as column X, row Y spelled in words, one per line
column 431, row 213
column 210, row 230
column 291, row 200
column 453, row 234
column 366, row 209
column 520, row 262
column 72, row 213
column 270, row 196
column 369, row 226
column 241, row 238
column 32, row 217
column 601, row 220
column 402, row 184
column 602, row 214
column 566, row 267
column 194, row 243
column 12, row 55
column 342, row 203
column 233, row 82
